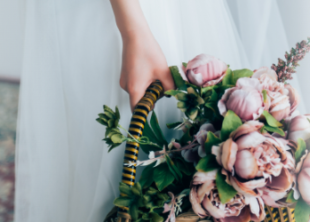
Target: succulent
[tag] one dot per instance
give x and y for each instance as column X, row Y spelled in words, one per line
column 189, row 102
column 109, row 118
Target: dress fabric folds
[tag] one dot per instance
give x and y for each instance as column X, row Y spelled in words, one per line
column 71, row 67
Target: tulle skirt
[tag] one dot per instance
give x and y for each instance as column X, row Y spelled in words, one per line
column 71, row 67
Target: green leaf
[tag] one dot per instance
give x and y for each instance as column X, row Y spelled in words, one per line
column 207, row 164
column 133, row 211
column 302, row 211
column 147, row 148
column 265, row 97
column 271, row 121
column 227, row 80
column 155, row 217
column 172, row 92
column 156, row 128
column 237, row 74
column 184, row 64
column 118, row 138
column 185, row 138
column 226, row 192
column 146, row 178
column 211, row 140
column 301, row 147
column 137, row 189
column 162, row 176
column 148, row 132
column 185, row 167
column 231, row 123
column 274, row 130
column 179, row 82
column 290, row 197
column 173, row 169
column 122, row 201
column 173, row 125
column 125, row 189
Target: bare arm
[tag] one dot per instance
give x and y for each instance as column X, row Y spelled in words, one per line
column 143, row 60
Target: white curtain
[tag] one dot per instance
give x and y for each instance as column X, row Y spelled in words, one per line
column 71, row 66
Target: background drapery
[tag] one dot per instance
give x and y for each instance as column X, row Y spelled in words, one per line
column 71, row 65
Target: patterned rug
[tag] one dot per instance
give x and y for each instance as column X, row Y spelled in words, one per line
column 8, row 116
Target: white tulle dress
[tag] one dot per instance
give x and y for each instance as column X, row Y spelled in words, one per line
column 71, row 67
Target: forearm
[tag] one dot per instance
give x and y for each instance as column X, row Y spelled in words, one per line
column 129, row 18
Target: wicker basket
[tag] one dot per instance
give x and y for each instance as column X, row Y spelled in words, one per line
column 153, row 93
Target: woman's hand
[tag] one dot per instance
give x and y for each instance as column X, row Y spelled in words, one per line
column 143, row 63
column 143, row 59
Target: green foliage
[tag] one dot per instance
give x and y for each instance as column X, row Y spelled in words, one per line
column 302, row 211
column 173, row 169
column 211, row 140
column 271, row 121
column 207, row 164
column 109, row 118
column 146, row 178
column 231, row 123
column 226, row 191
column 301, row 148
column 237, row 74
column 156, row 128
column 232, row 77
column 189, row 102
column 273, row 130
column 179, row 82
column 173, row 125
column 162, row 176
column 290, row 197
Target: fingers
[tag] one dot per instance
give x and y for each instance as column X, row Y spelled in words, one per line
column 136, row 92
column 167, row 80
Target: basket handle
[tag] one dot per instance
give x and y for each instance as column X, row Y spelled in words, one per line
column 138, row 120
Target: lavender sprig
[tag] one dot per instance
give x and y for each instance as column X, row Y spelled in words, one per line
column 285, row 69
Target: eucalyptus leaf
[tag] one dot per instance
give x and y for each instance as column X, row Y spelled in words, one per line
column 231, row 123
column 162, row 176
column 271, row 121
column 302, row 211
column 226, row 191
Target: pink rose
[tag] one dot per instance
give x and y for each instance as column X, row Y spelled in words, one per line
column 205, row 70
column 299, row 128
column 246, row 99
column 254, row 161
column 205, row 201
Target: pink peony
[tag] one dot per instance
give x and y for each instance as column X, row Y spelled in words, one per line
column 256, row 162
column 282, row 98
column 246, row 99
column 205, row 201
column 299, row 128
column 303, row 177
column 205, row 70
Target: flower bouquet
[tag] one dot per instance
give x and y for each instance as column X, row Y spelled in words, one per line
column 243, row 154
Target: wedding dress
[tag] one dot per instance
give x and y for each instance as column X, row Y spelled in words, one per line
column 71, row 67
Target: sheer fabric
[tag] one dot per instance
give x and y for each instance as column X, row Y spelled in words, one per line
column 72, row 61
